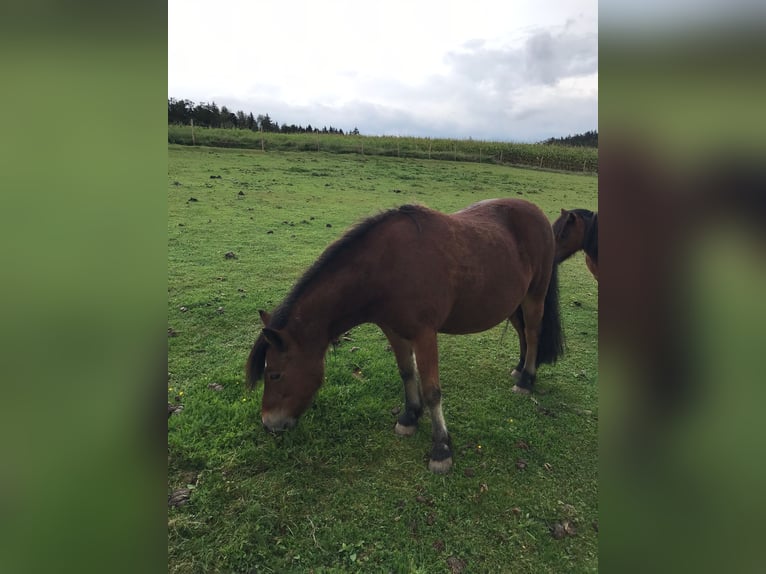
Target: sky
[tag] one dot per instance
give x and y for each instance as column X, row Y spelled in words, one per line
column 510, row 70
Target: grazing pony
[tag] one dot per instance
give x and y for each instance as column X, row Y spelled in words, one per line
column 574, row 230
column 415, row 272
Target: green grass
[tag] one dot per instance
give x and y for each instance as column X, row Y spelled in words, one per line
column 341, row 492
column 546, row 156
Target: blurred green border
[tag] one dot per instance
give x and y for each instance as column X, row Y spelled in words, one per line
column 689, row 97
column 83, row 222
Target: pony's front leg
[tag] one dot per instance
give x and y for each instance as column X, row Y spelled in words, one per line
column 407, row 423
column 427, row 354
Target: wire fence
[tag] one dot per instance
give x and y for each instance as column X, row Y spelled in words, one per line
column 541, row 156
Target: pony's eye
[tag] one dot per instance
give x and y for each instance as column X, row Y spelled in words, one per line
column 275, row 376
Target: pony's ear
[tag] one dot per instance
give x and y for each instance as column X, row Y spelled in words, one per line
column 571, row 217
column 265, row 317
column 563, row 211
column 275, row 338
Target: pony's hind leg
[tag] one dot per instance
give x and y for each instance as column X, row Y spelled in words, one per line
column 532, row 320
column 592, row 266
column 426, row 351
column 407, row 423
column 517, row 320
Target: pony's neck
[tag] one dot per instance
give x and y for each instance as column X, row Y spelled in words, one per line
column 335, row 301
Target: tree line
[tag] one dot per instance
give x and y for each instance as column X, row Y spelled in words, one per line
column 209, row 115
column 588, row 139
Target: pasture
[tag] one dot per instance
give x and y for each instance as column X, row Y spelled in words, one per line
column 341, row 492
column 547, row 156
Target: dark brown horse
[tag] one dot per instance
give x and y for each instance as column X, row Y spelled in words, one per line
column 415, row 272
column 574, row 230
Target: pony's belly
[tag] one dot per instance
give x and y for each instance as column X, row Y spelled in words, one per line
column 478, row 306
column 476, row 319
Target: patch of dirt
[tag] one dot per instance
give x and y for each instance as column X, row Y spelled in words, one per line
column 563, row 529
column 427, row 500
column 456, row 565
column 174, row 409
column 179, row 497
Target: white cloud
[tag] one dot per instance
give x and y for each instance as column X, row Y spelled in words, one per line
column 521, row 71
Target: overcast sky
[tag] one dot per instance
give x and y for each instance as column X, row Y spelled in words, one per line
column 511, row 70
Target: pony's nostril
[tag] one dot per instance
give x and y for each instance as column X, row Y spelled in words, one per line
column 277, row 427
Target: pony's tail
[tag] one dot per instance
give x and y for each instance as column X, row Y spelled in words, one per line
column 550, row 345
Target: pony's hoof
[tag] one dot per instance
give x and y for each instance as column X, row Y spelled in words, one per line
column 521, row 390
column 515, row 375
column 440, row 466
column 402, row 430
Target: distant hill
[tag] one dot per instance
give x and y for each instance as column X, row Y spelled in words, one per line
column 588, row 139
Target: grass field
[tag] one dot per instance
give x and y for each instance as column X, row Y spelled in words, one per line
column 341, row 492
column 547, row 156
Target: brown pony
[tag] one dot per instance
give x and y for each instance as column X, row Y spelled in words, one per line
column 415, row 272
column 574, row 230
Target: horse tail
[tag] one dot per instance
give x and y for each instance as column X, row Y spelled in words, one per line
column 550, row 345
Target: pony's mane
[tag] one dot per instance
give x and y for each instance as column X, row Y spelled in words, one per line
column 586, row 214
column 358, row 232
column 590, row 245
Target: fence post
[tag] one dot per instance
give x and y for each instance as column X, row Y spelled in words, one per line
column 192, row 125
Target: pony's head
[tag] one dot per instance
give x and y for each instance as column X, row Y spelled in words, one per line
column 569, row 230
column 292, row 373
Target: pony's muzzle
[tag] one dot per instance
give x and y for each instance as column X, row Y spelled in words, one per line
column 275, row 422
